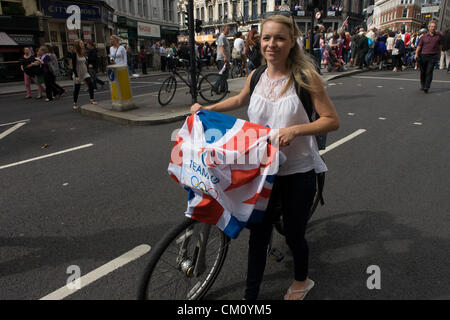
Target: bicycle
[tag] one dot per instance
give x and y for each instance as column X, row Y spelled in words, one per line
column 236, row 68
column 183, row 254
column 206, row 85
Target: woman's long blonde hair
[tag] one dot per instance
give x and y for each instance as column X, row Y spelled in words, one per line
column 297, row 61
column 78, row 49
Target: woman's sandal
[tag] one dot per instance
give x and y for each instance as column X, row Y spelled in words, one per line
column 75, row 107
column 93, row 102
column 304, row 291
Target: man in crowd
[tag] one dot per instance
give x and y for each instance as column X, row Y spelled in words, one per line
column 429, row 48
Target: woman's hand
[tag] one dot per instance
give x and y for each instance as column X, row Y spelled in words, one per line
column 285, row 136
column 196, row 107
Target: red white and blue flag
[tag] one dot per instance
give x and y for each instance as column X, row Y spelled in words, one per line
column 228, row 167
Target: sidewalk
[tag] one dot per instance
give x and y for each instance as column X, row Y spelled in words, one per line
column 149, row 112
column 19, row 86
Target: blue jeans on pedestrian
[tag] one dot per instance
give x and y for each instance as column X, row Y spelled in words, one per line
column 318, row 55
column 250, row 66
column 220, row 83
column 369, row 57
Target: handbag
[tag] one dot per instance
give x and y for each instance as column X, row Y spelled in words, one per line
column 395, row 52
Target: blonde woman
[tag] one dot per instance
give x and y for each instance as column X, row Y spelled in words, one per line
column 81, row 74
column 275, row 103
column 117, row 53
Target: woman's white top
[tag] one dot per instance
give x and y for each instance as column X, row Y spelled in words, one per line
column 268, row 109
column 390, row 43
column 119, row 55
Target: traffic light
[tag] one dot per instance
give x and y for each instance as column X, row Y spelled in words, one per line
column 311, row 5
column 198, row 25
column 186, row 19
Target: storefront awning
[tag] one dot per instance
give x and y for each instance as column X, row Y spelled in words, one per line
column 5, row 40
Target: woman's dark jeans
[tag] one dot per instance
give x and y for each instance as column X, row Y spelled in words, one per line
column 296, row 194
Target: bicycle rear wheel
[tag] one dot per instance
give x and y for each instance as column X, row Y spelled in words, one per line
column 235, row 71
column 167, row 90
column 176, row 269
column 213, row 88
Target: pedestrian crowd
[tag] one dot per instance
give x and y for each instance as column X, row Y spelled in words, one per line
column 41, row 67
column 382, row 49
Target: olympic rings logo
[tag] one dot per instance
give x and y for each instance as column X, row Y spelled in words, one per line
column 201, row 186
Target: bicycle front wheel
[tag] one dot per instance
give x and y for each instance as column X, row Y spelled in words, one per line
column 167, row 90
column 213, row 88
column 178, row 268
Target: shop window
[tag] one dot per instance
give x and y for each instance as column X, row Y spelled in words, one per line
column 53, row 36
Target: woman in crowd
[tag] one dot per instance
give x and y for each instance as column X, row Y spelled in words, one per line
column 397, row 53
column 117, row 53
column 26, row 65
column 252, row 50
column 51, row 89
column 81, row 74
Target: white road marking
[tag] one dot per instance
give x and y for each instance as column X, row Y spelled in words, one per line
column 12, row 129
column 46, row 156
column 400, row 79
column 381, row 118
column 20, row 121
column 418, row 123
column 150, row 82
column 342, row 141
column 351, row 114
column 96, row 274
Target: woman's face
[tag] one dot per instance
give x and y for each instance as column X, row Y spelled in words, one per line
column 113, row 41
column 26, row 51
column 276, row 41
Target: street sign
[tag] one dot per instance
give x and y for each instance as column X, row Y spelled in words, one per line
column 430, row 9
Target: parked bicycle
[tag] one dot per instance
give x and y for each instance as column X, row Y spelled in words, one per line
column 211, row 87
column 185, row 263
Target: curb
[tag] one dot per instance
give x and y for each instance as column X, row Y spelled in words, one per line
column 134, row 120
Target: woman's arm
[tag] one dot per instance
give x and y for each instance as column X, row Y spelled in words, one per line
column 74, row 64
column 328, row 121
column 236, row 102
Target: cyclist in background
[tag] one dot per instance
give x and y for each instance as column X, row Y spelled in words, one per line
column 274, row 103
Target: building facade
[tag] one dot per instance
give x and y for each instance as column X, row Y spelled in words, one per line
column 142, row 22
column 242, row 15
column 96, row 24
column 393, row 14
column 21, row 25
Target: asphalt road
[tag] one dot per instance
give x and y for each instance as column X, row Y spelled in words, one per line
column 386, row 197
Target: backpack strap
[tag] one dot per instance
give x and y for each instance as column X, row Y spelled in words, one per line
column 255, row 77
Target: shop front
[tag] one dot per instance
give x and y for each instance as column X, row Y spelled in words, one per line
column 169, row 34
column 16, row 33
column 94, row 25
column 148, row 34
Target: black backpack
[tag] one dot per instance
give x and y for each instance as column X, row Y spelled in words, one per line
column 305, row 98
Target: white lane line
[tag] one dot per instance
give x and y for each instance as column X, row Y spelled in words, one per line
column 46, row 156
column 342, row 141
column 400, row 79
column 96, row 274
column 12, row 129
column 20, row 121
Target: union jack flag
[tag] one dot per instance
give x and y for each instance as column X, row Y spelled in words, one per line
column 228, row 167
